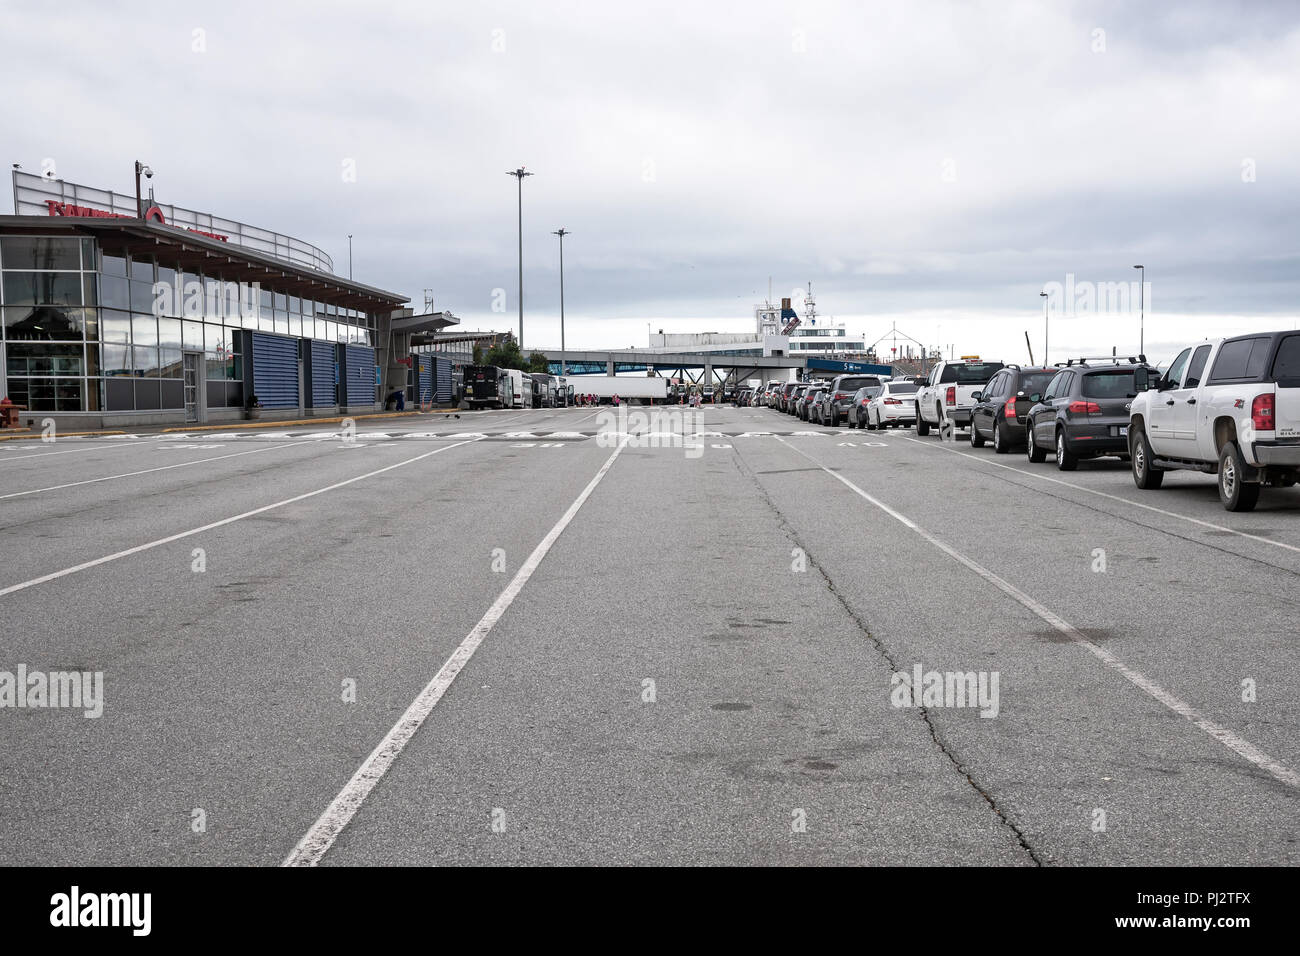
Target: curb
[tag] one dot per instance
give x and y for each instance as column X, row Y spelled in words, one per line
column 282, row 424
column 57, row 435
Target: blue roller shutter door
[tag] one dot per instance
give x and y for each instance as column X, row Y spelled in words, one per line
column 359, row 380
column 426, row 378
column 442, row 391
column 275, row 370
column 324, row 357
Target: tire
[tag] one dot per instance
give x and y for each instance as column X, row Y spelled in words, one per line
column 1235, row 493
column 976, row 439
column 1001, row 443
column 835, row 417
column 1145, row 475
column 1036, row 454
column 1065, row 459
column 922, row 426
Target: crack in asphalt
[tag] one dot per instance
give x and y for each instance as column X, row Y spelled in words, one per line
column 889, row 657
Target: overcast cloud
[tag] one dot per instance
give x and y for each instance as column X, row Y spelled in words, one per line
column 932, row 164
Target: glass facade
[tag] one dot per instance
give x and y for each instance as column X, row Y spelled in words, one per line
column 84, row 330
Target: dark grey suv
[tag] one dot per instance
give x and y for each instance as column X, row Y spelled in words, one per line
column 1082, row 413
column 838, row 399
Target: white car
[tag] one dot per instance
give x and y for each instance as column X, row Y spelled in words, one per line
column 893, row 405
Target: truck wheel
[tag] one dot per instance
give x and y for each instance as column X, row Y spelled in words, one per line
column 976, row 439
column 922, row 426
column 1065, row 459
column 1235, row 493
column 1036, row 454
column 1145, row 475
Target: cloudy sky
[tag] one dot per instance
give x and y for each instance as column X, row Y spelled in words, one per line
column 934, row 165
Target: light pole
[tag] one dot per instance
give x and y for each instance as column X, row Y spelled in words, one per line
column 349, row 257
column 519, row 174
column 140, row 168
column 561, row 232
column 1142, row 315
column 1045, row 360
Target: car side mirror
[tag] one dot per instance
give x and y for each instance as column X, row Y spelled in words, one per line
column 1035, row 398
column 1141, row 379
column 977, row 397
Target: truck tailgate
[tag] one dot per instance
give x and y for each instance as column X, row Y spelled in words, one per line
column 1286, row 410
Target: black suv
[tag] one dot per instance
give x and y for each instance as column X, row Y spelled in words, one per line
column 838, row 399
column 1002, row 407
column 1083, row 412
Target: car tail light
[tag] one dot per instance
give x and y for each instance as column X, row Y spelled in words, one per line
column 1261, row 412
column 1011, row 408
column 866, row 402
column 840, row 396
column 893, row 401
column 952, row 395
column 1084, row 408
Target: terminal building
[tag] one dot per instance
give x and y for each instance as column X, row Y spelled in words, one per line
column 113, row 316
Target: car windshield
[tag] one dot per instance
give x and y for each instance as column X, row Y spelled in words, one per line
column 976, row 373
column 901, row 388
column 1114, row 383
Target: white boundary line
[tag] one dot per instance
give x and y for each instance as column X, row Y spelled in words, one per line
column 133, row 474
column 317, row 841
column 117, row 555
column 1103, row 494
column 95, row 447
column 1241, row 747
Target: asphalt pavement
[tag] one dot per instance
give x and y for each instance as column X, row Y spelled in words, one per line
column 515, row 637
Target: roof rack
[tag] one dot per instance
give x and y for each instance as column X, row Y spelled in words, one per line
column 1104, row 359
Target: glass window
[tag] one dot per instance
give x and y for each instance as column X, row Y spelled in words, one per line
column 144, row 330
column 1112, row 383
column 116, row 359
column 90, row 322
column 281, row 324
column 92, row 360
column 40, row 252
column 1035, row 382
column 88, row 255
column 143, row 299
column 42, row 358
column 213, row 303
column 281, row 302
column 166, row 274
column 42, row 288
column 142, row 269
column 114, row 292
column 295, row 304
column 1175, row 373
column 308, row 327
column 115, row 326
column 89, row 293
column 975, row 373
column 169, row 333
column 1052, row 387
column 169, row 362
column 1286, row 367
column 295, row 325
column 42, row 322
column 1197, row 367
column 113, row 265
column 144, row 362
column 192, row 336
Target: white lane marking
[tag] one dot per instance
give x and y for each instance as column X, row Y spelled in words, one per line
column 146, row 471
column 317, row 841
column 1241, row 747
column 1103, row 494
column 47, row 454
column 117, row 555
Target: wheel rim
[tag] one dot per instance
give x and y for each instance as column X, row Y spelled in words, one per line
column 997, row 438
column 1029, row 440
column 1139, row 459
column 1229, row 472
column 1060, row 449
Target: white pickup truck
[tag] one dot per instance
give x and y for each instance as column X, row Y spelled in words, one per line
column 948, row 393
column 1228, row 406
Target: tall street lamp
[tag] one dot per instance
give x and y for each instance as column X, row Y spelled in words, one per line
column 562, row 232
column 1142, row 316
column 1046, row 362
column 519, row 174
column 349, row 256
column 140, row 168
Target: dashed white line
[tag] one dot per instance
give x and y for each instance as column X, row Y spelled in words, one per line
column 1238, row 745
column 317, row 841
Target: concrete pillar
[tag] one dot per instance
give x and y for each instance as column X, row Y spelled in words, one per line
column 609, row 366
